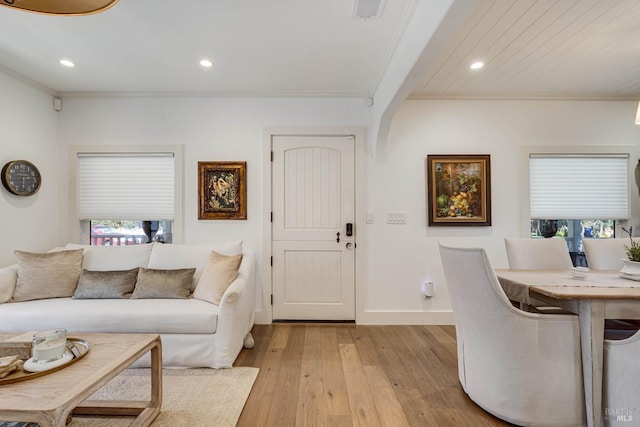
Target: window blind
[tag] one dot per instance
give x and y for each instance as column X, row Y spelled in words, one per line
column 126, row 186
column 578, row 186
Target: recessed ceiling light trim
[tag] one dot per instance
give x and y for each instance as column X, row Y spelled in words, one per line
column 477, row 65
column 67, row 63
column 206, row 63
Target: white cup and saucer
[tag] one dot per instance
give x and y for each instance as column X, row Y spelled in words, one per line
column 579, row 273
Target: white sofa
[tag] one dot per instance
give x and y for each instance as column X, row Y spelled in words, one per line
column 195, row 333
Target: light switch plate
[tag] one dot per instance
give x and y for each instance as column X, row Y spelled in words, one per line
column 370, row 218
column 396, row 217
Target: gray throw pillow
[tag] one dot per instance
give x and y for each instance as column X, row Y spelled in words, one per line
column 47, row 275
column 163, row 283
column 106, row 284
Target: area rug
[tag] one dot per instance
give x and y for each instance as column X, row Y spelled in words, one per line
column 191, row 397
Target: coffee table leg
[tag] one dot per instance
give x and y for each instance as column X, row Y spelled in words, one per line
column 153, row 409
column 146, row 412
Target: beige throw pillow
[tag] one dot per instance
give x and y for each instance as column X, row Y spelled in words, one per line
column 163, row 283
column 47, row 275
column 106, row 284
column 218, row 274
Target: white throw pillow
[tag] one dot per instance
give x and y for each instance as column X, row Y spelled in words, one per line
column 218, row 274
column 110, row 258
column 47, row 275
column 187, row 256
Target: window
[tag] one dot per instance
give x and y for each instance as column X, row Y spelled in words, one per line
column 107, row 232
column 577, row 186
column 566, row 188
column 573, row 230
column 128, row 195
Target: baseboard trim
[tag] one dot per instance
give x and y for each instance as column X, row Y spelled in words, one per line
column 387, row 318
column 337, row 322
column 405, row 318
column 262, row 317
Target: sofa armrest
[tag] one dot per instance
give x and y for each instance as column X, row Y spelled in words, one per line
column 237, row 309
column 8, row 279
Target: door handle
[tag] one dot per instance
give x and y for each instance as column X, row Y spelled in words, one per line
column 350, row 245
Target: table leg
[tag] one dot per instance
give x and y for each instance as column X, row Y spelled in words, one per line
column 591, row 315
column 144, row 411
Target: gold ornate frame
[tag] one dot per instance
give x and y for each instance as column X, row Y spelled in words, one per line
column 222, row 190
column 459, row 190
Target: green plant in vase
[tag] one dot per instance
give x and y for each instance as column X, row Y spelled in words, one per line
column 633, row 251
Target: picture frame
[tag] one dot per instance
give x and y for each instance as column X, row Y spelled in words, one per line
column 458, row 189
column 222, row 190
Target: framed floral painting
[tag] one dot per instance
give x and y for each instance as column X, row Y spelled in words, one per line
column 459, row 190
column 222, row 190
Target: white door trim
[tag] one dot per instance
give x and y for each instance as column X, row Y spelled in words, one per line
column 265, row 315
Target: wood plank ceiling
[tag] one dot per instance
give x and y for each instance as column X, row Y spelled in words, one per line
column 541, row 49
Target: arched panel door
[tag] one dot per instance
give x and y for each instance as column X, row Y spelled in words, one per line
column 313, row 272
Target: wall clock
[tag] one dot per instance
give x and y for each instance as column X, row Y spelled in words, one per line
column 21, row 178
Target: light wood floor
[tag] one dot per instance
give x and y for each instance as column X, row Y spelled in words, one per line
column 344, row 375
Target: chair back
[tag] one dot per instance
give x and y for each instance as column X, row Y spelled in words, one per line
column 507, row 357
column 476, row 296
column 538, row 254
column 605, row 254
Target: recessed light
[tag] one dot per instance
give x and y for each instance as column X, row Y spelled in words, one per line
column 477, row 65
column 206, row 63
column 67, row 63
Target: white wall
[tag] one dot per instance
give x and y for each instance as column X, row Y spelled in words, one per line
column 401, row 257
column 397, row 258
column 28, row 131
column 211, row 129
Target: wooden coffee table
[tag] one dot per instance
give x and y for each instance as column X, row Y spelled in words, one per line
column 48, row 400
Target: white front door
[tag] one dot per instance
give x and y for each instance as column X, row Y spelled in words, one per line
column 313, row 269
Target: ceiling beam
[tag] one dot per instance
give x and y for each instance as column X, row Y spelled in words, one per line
column 431, row 26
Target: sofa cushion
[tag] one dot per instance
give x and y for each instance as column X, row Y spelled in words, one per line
column 106, row 284
column 8, row 277
column 159, row 283
column 47, row 275
column 186, row 256
column 158, row 316
column 216, row 277
column 111, row 258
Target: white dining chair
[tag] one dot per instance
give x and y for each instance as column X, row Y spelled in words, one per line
column 621, row 380
column 538, row 254
column 524, row 368
column 605, row 254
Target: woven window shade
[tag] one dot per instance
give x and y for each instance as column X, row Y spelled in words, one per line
column 126, row 186
column 579, row 186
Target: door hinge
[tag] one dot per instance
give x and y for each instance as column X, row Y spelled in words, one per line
column 271, row 261
column 272, row 156
column 271, row 216
column 271, row 299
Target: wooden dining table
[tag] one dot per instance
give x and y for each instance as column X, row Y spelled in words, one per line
column 599, row 296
